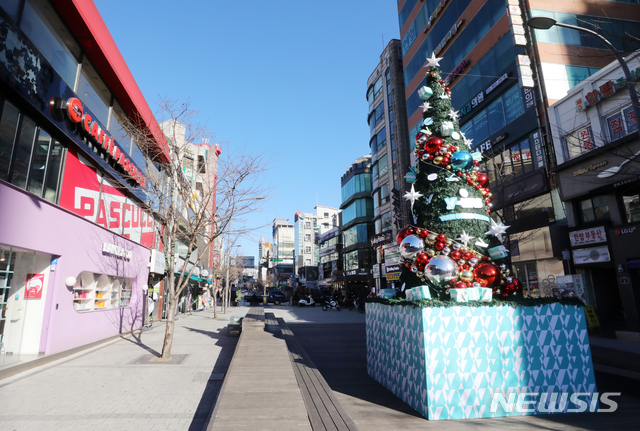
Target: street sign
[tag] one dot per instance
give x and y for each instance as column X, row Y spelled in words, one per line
column 276, row 260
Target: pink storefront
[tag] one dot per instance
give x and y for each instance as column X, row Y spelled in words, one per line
column 76, row 225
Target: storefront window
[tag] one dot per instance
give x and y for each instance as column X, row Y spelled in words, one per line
column 384, row 194
column 45, row 29
column 594, row 209
column 527, row 273
column 101, row 292
column 23, row 150
column 386, row 222
column 8, row 126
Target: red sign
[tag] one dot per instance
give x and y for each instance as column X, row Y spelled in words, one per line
column 34, row 286
column 588, row 236
column 86, row 193
column 75, row 113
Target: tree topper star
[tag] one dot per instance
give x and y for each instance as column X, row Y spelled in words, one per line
column 433, row 61
column 453, row 115
column 497, row 230
column 464, row 238
column 426, row 106
column 412, row 195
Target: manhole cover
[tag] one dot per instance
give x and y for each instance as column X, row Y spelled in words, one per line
column 205, row 377
column 154, row 360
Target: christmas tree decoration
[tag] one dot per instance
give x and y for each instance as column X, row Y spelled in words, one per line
column 449, row 199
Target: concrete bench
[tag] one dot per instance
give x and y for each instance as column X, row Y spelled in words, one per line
column 254, row 319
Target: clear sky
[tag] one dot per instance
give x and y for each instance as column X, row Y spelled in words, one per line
column 285, row 77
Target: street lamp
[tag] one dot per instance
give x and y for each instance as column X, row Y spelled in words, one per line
column 227, row 295
column 545, row 23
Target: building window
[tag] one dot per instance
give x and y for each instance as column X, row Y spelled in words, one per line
column 94, row 93
column 377, row 88
column 357, row 234
column 594, row 209
column 376, row 116
column 307, row 237
column 631, row 203
column 326, row 215
column 307, row 225
column 358, row 208
column 29, row 157
column 307, row 250
column 577, row 74
column 384, row 194
column 386, row 222
column 509, row 163
column 578, row 142
column 201, row 165
column 41, row 24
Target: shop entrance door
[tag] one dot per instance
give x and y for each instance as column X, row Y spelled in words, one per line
column 608, row 303
column 23, row 288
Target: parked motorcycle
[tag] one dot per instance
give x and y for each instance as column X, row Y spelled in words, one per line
column 330, row 305
column 348, row 303
column 360, row 305
column 306, row 301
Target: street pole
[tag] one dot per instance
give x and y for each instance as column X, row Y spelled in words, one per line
column 224, row 296
column 545, row 23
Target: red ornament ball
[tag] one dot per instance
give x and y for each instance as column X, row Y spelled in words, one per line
column 512, row 289
column 403, row 234
column 422, row 257
column 439, row 245
column 460, row 285
column 433, row 144
column 455, row 255
column 482, row 179
column 441, row 237
column 487, row 275
column 447, row 89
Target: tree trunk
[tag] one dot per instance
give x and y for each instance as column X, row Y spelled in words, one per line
column 168, row 333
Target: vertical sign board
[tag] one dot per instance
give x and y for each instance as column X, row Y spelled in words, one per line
column 34, row 286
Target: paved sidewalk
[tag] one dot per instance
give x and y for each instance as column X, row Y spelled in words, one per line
column 115, row 387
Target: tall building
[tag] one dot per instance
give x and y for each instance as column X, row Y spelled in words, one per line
column 265, row 255
column 283, row 251
column 503, row 78
column 357, row 226
column 390, row 158
column 77, row 233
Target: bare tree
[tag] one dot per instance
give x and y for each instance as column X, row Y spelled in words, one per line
column 194, row 207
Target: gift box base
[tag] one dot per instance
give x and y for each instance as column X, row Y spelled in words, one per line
column 466, row 362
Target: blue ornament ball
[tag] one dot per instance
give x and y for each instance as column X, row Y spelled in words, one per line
column 461, row 160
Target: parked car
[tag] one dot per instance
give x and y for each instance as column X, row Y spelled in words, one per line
column 276, row 296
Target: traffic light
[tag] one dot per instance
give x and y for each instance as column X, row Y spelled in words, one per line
column 396, row 202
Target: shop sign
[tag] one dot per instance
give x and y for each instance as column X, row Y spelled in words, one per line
column 592, row 318
column 459, row 68
column 89, row 195
column 625, row 231
column 393, row 268
column 34, row 286
column 376, row 271
column 381, row 239
column 495, row 84
column 604, row 91
column 409, row 38
column 74, row 110
column 435, row 14
column 116, row 250
column 157, row 264
column 588, row 236
column 591, row 255
column 536, row 143
column 393, row 276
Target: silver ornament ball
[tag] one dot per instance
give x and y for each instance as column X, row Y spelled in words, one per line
column 440, row 270
column 411, row 246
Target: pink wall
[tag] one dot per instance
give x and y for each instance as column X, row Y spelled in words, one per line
column 35, row 224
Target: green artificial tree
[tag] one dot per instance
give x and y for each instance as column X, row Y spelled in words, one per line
column 453, row 242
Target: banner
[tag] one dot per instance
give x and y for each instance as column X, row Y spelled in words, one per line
column 81, row 193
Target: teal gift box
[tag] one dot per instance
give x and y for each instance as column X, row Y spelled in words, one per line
column 421, row 292
column 498, row 252
column 473, row 294
column 485, row 294
column 459, row 295
column 388, row 293
column 408, row 294
column 425, row 93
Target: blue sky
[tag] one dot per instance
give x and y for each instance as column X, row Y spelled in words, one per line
column 287, row 78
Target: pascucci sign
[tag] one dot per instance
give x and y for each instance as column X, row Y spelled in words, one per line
column 74, row 111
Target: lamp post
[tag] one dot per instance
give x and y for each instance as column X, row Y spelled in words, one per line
column 545, row 23
column 227, row 294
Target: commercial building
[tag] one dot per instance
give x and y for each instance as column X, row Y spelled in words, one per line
column 595, row 134
column 503, row 78
column 390, row 160
column 330, row 268
column 75, row 235
column 283, row 251
column 357, row 227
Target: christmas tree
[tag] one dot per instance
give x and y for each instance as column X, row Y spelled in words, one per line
column 453, row 242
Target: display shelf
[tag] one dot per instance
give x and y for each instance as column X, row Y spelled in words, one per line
column 101, row 292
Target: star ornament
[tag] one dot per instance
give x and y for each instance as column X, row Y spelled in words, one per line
column 464, row 238
column 497, row 230
column 444, row 96
column 468, row 142
column 453, row 115
column 433, row 61
column 425, row 106
column 412, row 195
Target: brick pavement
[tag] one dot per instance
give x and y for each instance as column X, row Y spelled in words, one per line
column 99, row 389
